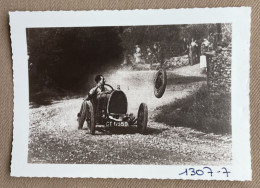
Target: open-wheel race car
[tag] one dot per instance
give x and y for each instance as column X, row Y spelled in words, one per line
column 109, row 108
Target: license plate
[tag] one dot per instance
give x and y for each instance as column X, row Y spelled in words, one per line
column 116, row 124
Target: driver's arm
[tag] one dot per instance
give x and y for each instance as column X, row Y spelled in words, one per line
column 91, row 93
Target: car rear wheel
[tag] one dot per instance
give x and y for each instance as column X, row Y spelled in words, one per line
column 91, row 118
column 82, row 115
column 160, row 82
column 142, row 118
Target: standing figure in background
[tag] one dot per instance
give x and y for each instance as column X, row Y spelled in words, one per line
column 190, row 54
column 158, row 53
column 185, row 46
column 211, row 41
column 205, row 46
column 149, row 57
column 203, row 60
column 193, row 52
column 137, row 54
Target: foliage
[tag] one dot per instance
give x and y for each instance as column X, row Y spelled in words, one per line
column 64, row 58
column 171, row 37
column 146, row 36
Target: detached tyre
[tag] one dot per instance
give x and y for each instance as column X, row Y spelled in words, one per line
column 160, row 83
column 91, row 118
column 142, row 118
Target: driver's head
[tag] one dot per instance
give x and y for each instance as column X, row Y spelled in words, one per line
column 100, row 79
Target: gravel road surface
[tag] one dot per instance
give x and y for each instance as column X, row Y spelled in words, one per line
column 54, row 138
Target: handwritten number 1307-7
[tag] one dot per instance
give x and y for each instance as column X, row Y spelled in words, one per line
column 208, row 170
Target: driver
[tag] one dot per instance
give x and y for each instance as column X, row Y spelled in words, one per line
column 99, row 88
column 92, row 94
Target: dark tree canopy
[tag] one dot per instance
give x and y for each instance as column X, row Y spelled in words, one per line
column 65, row 59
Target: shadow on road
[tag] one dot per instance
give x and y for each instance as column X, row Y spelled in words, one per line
column 41, row 102
column 48, row 97
column 178, row 79
column 125, row 130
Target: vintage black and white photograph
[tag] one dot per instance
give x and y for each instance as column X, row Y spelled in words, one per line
column 130, row 95
column 146, row 94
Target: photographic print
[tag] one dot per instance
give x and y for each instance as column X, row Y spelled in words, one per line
column 114, row 69
column 151, row 96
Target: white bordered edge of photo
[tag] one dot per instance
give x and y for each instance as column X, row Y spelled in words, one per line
column 240, row 17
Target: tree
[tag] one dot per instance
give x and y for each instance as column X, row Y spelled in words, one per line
column 64, row 58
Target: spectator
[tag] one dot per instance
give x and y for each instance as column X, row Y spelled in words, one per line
column 190, row 54
column 137, row 54
column 137, row 49
column 212, row 41
column 149, row 57
column 185, row 46
column 193, row 52
column 158, row 53
column 205, row 46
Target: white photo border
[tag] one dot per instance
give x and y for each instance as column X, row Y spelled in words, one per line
column 240, row 17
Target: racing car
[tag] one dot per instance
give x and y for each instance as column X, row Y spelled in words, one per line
column 109, row 109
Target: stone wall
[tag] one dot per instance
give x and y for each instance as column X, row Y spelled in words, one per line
column 219, row 71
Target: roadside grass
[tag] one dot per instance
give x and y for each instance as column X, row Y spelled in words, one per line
column 200, row 110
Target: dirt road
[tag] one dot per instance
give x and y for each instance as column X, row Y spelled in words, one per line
column 54, row 137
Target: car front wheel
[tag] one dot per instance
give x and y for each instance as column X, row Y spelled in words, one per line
column 142, row 118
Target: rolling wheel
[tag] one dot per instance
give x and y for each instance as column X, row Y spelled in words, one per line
column 142, row 118
column 160, row 82
column 91, row 118
column 82, row 115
